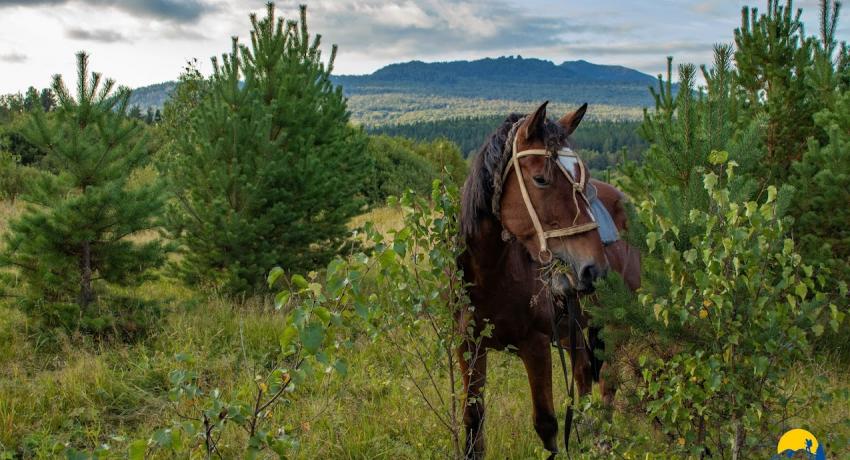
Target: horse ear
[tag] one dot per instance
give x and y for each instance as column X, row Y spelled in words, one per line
column 532, row 128
column 571, row 120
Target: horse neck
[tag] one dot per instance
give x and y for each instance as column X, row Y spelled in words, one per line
column 491, row 256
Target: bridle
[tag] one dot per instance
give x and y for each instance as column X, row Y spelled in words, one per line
column 565, row 156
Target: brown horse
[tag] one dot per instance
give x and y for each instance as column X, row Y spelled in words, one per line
column 520, row 211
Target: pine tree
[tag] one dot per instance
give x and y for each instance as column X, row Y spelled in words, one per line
column 265, row 168
column 775, row 59
column 47, row 99
column 135, row 113
column 32, row 100
column 73, row 240
column 686, row 132
column 821, row 201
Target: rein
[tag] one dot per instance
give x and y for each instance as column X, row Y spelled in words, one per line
column 545, row 254
column 571, row 306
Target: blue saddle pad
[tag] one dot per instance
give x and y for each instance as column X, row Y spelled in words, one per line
column 607, row 230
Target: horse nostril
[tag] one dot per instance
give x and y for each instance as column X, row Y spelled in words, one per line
column 588, row 273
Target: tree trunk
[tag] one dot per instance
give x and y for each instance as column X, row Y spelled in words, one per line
column 86, row 292
column 738, row 441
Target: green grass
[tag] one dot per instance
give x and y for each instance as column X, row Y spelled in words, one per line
column 58, row 388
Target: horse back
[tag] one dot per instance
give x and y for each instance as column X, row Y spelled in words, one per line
column 623, row 258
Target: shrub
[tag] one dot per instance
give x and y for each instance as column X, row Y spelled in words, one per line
column 738, row 311
column 265, row 169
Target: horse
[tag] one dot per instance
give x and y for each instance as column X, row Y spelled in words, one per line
column 522, row 211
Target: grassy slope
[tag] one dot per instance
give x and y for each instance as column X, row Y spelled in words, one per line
column 87, row 393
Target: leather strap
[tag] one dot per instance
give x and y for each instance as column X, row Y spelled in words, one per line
column 578, row 189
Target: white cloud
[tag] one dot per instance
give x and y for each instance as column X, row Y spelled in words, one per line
column 139, row 42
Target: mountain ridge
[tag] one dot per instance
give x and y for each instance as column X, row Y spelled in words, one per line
column 513, row 78
column 510, row 68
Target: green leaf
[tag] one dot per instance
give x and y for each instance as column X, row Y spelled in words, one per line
column 818, row 329
column 710, row 181
column 137, row 450
column 341, row 367
column 718, row 157
column 163, row 437
column 323, row 313
column 801, row 290
column 400, row 248
column 299, row 281
column 771, row 194
column 312, row 337
column 184, row 358
column 387, row 258
column 285, row 339
column 274, row 275
column 281, row 299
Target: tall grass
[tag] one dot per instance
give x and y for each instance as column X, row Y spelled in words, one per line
column 58, row 389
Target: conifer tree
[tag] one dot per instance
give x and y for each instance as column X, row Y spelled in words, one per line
column 73, row 240
column 774, row 59
column 32, row 100
column 47, row 99
column 685, row 131
column 266, row 167
column 821, row 179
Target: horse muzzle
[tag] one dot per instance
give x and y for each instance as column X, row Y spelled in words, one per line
column 579, row 281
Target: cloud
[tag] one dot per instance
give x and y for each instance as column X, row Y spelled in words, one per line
column 639, row 48
column 399, row 29
column 168, row 10
column 96, row 35
column 13, row 57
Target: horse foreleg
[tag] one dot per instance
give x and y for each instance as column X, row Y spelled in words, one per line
column 537, row 359
column 473, row 364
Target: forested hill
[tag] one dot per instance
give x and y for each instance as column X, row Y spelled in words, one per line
column 514, row 78
column 505, row 78
column 152, row 95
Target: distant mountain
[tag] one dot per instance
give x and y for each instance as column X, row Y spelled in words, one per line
column 516, row 79
column 511, row 78
column 153, row 95
column 504, row 70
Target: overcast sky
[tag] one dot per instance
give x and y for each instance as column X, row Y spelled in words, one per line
column 139, row 42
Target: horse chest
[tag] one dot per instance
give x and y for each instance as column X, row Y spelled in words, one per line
column 512, row 311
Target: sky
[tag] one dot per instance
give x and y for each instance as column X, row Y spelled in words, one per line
column 140, row 42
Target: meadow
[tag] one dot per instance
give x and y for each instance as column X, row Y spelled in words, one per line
column 59, row 390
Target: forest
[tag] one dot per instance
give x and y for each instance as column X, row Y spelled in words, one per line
column 604, row 144
column 252, row 271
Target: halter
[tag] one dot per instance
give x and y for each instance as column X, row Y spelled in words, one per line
column 565, row 157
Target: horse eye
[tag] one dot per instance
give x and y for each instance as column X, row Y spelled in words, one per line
column 540, row 181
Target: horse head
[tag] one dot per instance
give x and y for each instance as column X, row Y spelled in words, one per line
column 544, row 201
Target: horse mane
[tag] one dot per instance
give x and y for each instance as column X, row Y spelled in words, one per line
column 482, row 190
